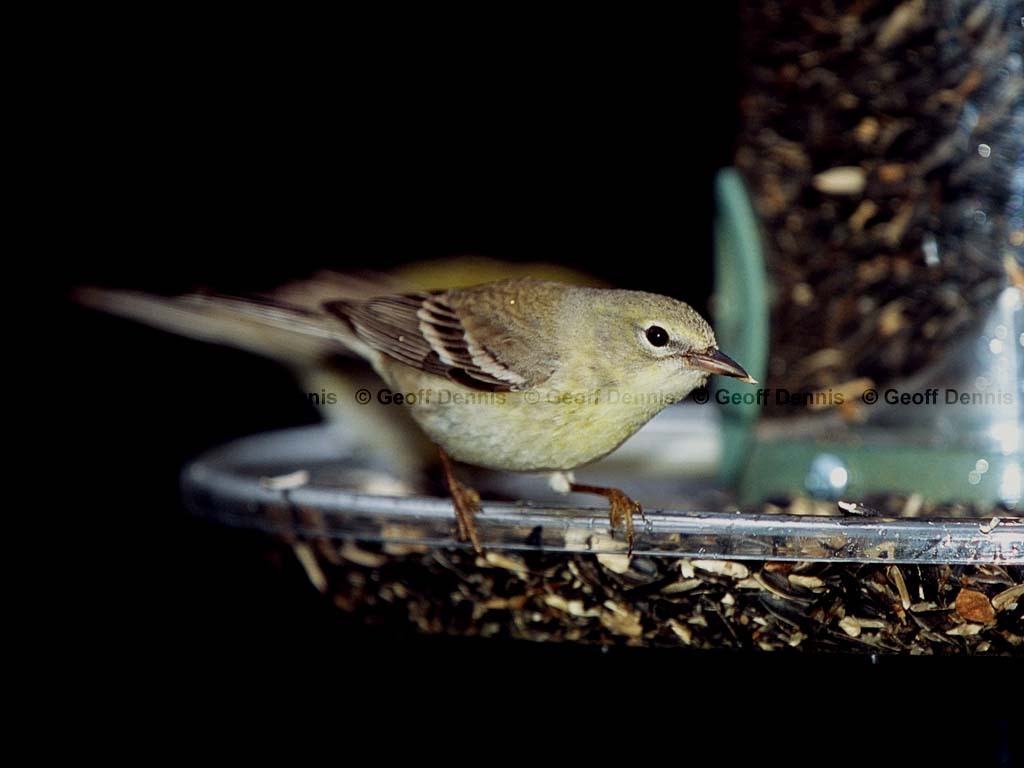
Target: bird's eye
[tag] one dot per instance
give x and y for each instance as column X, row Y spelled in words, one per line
column 657, row 335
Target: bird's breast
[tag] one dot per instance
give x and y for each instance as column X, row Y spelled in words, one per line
column 544, row 428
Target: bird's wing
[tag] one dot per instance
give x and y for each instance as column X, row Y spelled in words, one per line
column 424, row 331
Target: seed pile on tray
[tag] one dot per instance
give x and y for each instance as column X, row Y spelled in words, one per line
column 656, row 601
column 663, row 601
column 880, row 142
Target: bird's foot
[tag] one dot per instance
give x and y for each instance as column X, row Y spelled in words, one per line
column 467, row 504
column 622, row 509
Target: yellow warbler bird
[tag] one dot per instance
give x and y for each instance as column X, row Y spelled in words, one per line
column 523, row 374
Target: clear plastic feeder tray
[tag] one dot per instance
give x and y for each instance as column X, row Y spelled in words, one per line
column 697, row 577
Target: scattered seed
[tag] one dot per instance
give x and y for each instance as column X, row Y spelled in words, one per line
column 614, row 563
column 287, row 482
column 681, row 631
column 844, row 180
column 1007, row 599
column 728, row 568
column 974, row 606
column 498, row 560
column 965, row 630
column 807, row 582
column 679, row 587
column 621, row 621
column 990, row 526
column 310, row 565
column 354, row 554
column 850, row 626
column 896, row 577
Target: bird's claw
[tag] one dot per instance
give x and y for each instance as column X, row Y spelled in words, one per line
column 622, row 509
column 621, row 514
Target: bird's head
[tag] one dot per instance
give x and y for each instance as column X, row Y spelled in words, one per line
column 662, row 345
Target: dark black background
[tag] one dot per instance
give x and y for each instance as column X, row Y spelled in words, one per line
column 238, row 160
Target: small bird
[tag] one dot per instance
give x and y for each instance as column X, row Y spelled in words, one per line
column 521, row 375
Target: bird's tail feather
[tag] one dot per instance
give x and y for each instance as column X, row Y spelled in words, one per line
column 291, row 334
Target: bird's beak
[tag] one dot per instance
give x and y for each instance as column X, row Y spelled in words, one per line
column 714, row 361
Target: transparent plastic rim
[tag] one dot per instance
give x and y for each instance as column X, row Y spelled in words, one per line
column 225, row 485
